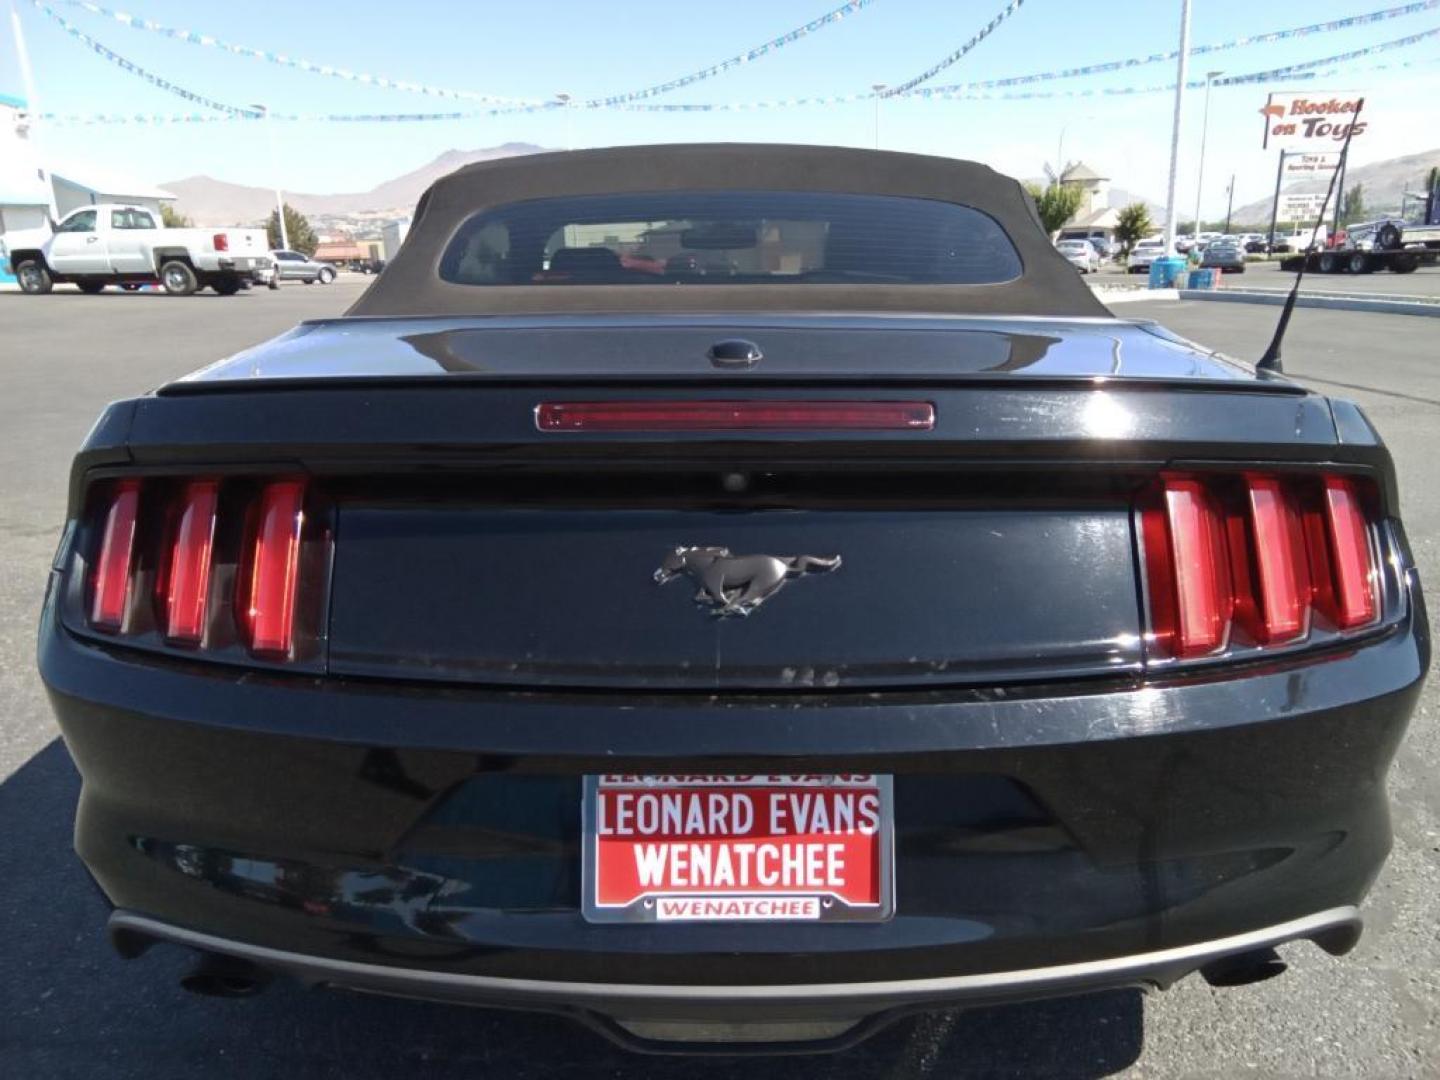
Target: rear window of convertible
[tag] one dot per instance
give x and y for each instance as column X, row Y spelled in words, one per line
column 730, row 238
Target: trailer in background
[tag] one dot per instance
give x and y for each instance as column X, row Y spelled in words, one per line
column 1388, row 244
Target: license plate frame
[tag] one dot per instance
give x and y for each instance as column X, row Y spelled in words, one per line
column 756, row 904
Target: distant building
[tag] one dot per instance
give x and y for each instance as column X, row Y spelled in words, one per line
column 31, row 195
column 1094, row 219
column 393, row 235
column 24, row 194
column 79, row 185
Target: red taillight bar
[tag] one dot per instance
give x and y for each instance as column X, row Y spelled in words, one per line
column 640, row 416
column 1260, row 554
column 222, row 241
column 1352, row 564
column 274, row 566
column 1282, row 585
column 1203, row 604
column 111, row 587
column 187, row 583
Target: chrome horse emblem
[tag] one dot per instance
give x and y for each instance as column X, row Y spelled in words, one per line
column 738, row 584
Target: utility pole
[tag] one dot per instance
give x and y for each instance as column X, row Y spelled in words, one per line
column 264, row 111
column 1229, row 201
column 1210, row 77
column 1181, row 71
column 878, row 90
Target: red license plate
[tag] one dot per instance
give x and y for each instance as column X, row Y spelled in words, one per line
column 701, row 848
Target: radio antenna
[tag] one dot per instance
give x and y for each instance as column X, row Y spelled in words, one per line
column 1271, row 360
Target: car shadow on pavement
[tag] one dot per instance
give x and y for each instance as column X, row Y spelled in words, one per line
column 71, row 1007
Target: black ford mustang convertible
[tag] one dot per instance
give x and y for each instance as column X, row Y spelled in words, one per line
column 732, row 592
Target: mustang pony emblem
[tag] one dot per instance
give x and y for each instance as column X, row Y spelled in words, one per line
column 738, row 584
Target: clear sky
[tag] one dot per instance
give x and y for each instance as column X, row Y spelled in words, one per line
column 538, row 48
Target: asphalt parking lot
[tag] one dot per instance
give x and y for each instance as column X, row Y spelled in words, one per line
column 1424, row 282
column 69, row 1007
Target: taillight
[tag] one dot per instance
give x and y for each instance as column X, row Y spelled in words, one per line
column 186, row 580
column 1353, row 565
column 273, row 566
column 1188, row 570
column 222, row 241
column 1282, row 568
column 110, row 590
column 222, row 563
column 1251, row 560
column 641, row 416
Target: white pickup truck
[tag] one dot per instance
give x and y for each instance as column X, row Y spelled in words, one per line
column 114, row 244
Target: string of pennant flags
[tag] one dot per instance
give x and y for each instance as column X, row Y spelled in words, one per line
column 1302, row 70
column 1111, row 66
column 165, row 119
column 829, row 18
column 954, row 57
column 1305, row 69
column 139, row 72
column 191, row 37
column 740, row 59
column 636, row 101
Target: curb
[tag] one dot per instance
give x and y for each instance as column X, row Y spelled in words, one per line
column 1430, row 309
column 1123, row 296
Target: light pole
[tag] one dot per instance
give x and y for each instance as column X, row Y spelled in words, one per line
column 264, row 111
column 1180, row 74
column 1229, row 202
column 1060, row 144
column 878, row 90
column 564, row 100
column 1210, row 77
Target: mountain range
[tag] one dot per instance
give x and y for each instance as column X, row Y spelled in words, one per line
column 1384, row 183
column 208, row 201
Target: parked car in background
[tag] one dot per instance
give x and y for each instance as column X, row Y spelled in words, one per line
column 1081, row 254
column 711, row 655
column 1143, row 254
column 1224, row 255
column 1106, row 247
column 117, row 244
column 297, row 266
column 1255, row 243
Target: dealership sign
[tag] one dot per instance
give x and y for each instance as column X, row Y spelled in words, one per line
column 1301, row 164
column 1310, row 121
column 1298, row 207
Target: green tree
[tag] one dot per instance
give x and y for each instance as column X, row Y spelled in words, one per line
column 298, row 231
column 1134, row 225
column 1055, row 203
column 172, row 218
column 1352, row 207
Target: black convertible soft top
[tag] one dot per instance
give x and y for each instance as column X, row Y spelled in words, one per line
column 412, row 284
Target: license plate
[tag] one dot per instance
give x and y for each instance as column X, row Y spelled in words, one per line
column 761, row 848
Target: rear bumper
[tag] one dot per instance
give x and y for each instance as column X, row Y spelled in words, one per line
column 425, row 839
column 622, row 1009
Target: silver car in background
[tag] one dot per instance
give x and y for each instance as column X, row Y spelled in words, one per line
column 297, row 266
column 1143, row 254
column 1081, row 254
